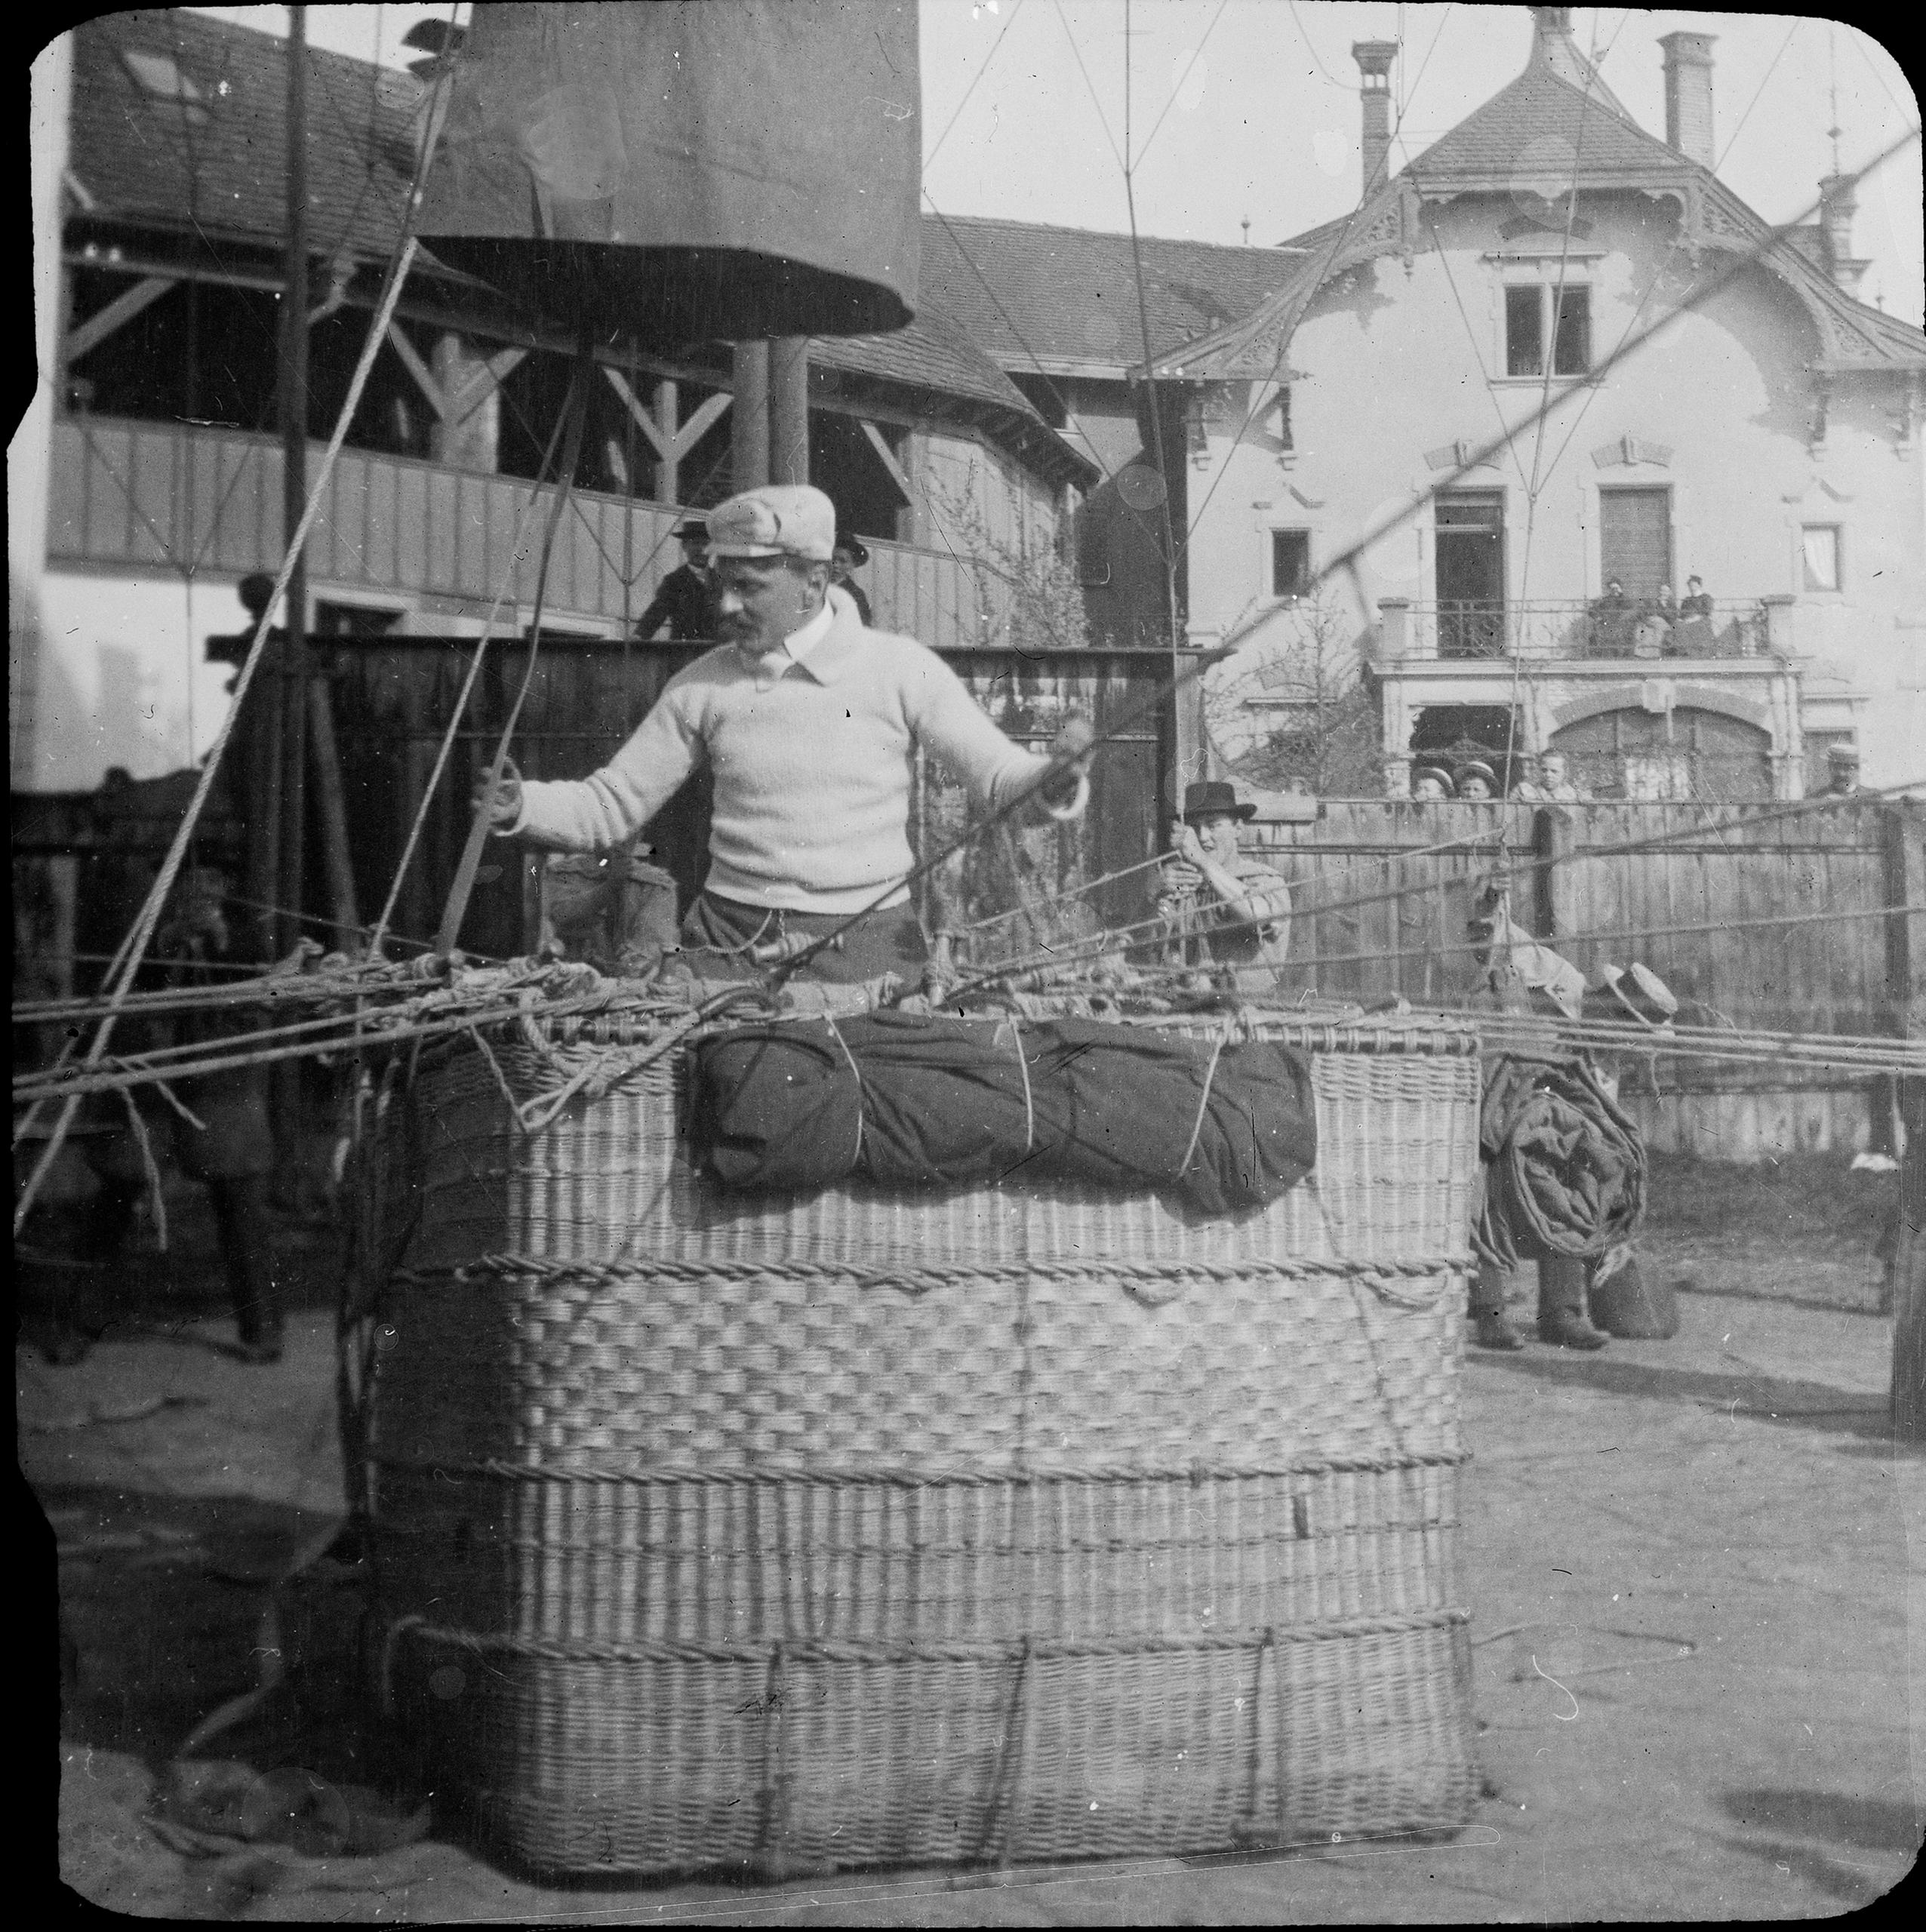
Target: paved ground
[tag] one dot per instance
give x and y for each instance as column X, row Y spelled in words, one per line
column 1701, row 1651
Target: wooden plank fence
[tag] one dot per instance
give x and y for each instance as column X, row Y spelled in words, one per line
column 393, row 697
column 1785, row 922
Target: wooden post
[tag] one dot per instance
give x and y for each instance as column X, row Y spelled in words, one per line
column 285, row 1086
column 333, row 802
column 294, row 412
column 668, row 469
column 789, row 409
column 748, row 417
column 1904, row 826
column 1908, row 1383
column 1551, row 848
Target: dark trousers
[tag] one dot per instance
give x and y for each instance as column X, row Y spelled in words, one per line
column 722, row 938
column 247, row 1250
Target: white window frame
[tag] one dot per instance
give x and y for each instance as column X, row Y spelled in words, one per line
column 1542, row 273
column 1806, row 588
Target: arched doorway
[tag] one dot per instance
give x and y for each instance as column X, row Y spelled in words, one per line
column 1686, row 753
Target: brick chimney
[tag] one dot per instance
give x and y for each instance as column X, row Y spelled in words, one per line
column 1838, row 205
column 1688, row 95
column 1374, row 58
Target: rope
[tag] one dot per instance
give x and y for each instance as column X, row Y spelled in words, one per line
column 828, row 1020
column 894, row 1476
column 576, row 412
column 1024, row 1068
column 1383, row 1277
column 857, row 1650
column 509, row 574
column 149, row 915
column 1203, row 1104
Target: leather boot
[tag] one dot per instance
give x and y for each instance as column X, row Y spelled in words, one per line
column 241, row 1213
column 1490, row 1329
column 1562, row 1306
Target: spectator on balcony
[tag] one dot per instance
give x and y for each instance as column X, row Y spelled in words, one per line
column 1612, row 616
column 851, row 555
column 685, row 599
column 1431, row 781
column 1477, row 782
column 1652, row 626
column 1692, row 635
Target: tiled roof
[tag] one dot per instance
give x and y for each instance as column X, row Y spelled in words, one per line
column 1540, row 123
column 214, row 164
column 933, row 352
column 1030, row 294
column 1531, row 131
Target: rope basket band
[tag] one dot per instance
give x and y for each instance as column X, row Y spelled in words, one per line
column 781, row 1475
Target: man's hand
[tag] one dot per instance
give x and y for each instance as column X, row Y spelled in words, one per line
column 1185, row 842
column 504, row 803
column 1180, row 876
column 1074, row 739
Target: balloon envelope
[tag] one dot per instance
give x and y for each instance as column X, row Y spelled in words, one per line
column 684, row 170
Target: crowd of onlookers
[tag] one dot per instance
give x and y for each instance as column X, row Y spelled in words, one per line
column 1659, row 626
column 1544, row 778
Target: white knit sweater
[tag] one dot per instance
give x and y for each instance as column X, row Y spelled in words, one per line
column 811, row 767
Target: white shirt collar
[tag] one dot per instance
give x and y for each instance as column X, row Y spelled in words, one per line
column 800, row 644
column 796, row 646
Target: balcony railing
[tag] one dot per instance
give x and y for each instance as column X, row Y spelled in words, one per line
column 186, row 499
column 1572, row 629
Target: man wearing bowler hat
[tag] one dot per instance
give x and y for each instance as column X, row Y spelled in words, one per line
column 1224, row 908
column 809, row 724
column 685, row 599
column 851, row 554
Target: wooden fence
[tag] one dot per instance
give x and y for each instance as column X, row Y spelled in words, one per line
column 1793, row 921
column 393, row 697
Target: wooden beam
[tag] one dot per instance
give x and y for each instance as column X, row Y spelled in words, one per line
column 424, row 377
column 668, row 414
column 886, row 457
column 692, row 432
column 664, row 446
column 118, row 313
column 482, row 383
column 462, row 320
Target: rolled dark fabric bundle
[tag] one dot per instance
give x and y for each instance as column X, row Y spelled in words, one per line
column 1223, row 1128
column 909, row 1102
column 1564, row 1165
column 773, row 1109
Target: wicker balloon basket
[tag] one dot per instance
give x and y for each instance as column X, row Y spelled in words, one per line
column 1021, row 1523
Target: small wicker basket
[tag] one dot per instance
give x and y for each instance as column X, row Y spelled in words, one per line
column 1014, row 1523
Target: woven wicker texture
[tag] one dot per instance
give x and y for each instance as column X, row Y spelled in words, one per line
column 1009, row 1523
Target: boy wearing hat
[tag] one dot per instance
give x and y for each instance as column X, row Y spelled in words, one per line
column 1432, row 781
column 1477, row 781
column 809, row 723
column 1227, row 909
column 685, row 599
column 850, row 554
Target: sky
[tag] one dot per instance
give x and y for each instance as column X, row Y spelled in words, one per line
column 1240, row 110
